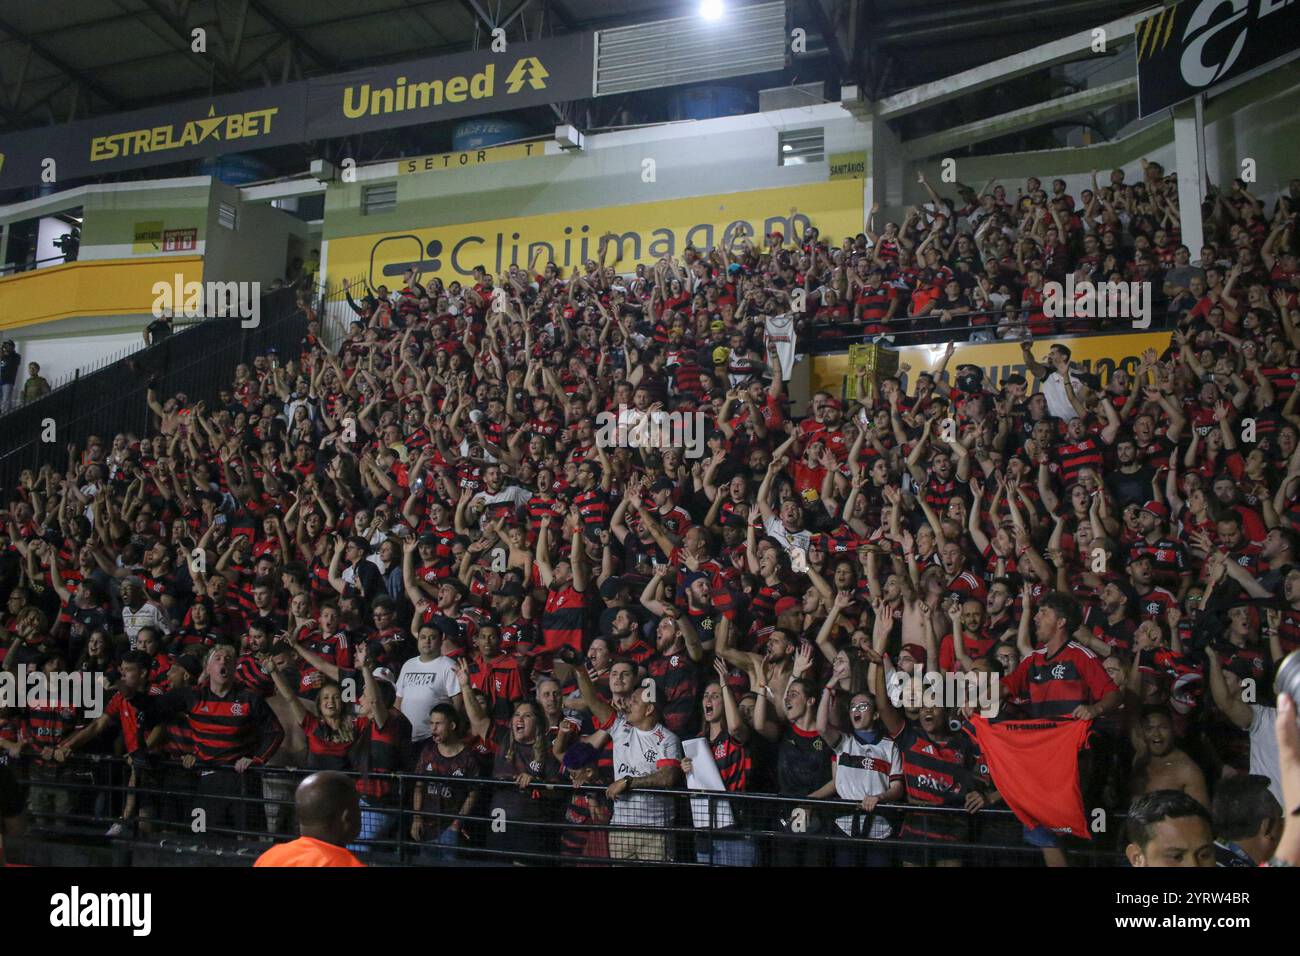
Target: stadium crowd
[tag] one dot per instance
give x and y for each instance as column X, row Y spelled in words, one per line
column 444, row 547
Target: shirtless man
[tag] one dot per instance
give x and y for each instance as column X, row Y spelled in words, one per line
column 776, row 664
column 1160, row 764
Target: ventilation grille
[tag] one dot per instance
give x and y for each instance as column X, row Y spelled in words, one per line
column 801, row 146
column 382, row 197
column 690, row 50
column 227, row 215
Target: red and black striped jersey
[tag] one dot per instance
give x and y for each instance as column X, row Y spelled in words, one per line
column 678, row 678
column 937, row 774
column 565, row 618
column 225, row 728
column 593, row 505
column 733, row 761
column 380, row 751
column 48, row 725
column 1059, row 683
column 1168, row 559
column 325, row 749
column 1073, row 457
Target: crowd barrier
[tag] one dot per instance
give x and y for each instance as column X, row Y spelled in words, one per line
column 196, row 813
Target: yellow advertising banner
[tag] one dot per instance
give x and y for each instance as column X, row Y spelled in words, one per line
column 1099, row 354
column 469, row 157
column 643, row 232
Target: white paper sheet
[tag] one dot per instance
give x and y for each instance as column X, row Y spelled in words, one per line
column 704, row 776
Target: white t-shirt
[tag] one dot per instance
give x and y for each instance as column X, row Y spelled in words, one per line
column 863, row 770
column 422, row 686
column 1263, row 748
column 1054, row 391
column 639, row 753
column 787, row 539
column 148, row 615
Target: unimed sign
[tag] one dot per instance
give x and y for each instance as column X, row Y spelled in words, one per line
column 1194, row 46
column 363, row 101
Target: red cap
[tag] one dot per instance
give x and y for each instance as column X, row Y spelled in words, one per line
column 785, row 604
column 568, row 312
column 833, row 403
column 1157, row 508
column 916, row 651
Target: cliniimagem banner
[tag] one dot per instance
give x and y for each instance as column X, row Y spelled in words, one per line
column 643, row 232
column 1099, row 354
column 381, row 97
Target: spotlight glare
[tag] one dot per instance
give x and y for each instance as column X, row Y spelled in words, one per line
column 711, row 9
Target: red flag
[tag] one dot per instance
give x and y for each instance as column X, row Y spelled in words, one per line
column 1035, row 766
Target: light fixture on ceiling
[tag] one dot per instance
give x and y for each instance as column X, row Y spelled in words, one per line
column 712, row 9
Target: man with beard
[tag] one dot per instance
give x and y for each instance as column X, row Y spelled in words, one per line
column 1160, row 764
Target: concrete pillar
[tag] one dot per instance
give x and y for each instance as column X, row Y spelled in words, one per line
column 1189, row 162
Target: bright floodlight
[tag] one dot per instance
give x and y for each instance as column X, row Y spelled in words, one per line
column 711, row 9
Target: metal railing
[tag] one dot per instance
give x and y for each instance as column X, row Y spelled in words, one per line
column 543, row 823
column 823, row 337
column 198, row 361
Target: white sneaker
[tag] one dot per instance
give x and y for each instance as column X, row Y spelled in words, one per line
column 115, row 830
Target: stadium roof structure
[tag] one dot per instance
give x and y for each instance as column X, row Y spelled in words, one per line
column 65, row 60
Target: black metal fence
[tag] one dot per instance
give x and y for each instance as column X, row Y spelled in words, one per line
column 197, row 361
column 196, row 813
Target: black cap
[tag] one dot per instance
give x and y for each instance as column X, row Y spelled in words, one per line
column 611, row 587
column 190, row 663
column 663, row 484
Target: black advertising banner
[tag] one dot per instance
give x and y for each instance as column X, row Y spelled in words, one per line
column 230, row 123
column 466, row 84
column 381, row 97
column 1189, row 48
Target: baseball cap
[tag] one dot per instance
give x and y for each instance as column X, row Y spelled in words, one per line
column 662, row 484
column 580, row 755
column 1157, row 508
column 190, row 663
column 428, row 540
column 786, row 604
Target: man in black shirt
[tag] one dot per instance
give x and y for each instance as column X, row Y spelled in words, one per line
column 158, row 330
column 10, row 363
column 1130, row 482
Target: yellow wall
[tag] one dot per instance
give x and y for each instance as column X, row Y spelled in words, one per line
column 91, row 288
column 1101, row 354
column 657, row 228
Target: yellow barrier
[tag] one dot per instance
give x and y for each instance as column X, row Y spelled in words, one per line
column 1100, row 354
column 90, row 288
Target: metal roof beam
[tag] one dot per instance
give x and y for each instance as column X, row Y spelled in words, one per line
column 67, row 69
column 319, row 58
column 1007, row 68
